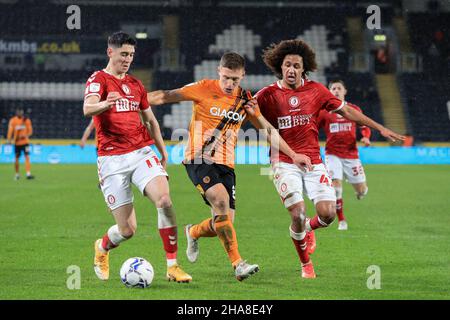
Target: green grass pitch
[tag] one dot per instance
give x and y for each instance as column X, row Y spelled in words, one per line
column 403, row 227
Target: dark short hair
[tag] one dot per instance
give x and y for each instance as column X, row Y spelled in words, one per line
column 233, row 61
column 120, row 38
column 336, row 81
column 274, row 55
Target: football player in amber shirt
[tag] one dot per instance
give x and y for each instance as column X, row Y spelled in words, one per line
column 292, row 105
column 19, row 131
column 219, row 110
column 341, row 151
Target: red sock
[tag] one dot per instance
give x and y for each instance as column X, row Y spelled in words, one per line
column 316, row 223
column 340, row 209
column 107, row 244
column 170, row 241
column 300, row 246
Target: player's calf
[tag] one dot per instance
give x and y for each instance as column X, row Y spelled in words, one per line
column 360, row 194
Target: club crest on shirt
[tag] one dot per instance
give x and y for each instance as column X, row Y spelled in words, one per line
column 126, row 89
column 294, row 102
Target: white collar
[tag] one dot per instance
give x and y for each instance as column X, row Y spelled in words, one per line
column 281, row 86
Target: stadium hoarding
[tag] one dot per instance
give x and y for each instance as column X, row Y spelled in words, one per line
column 55, row 154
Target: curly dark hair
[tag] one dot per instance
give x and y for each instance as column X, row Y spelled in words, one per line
column 274, row 54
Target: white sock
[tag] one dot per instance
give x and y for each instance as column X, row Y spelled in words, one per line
column 100, row 247
column 171, row 262
column 297, row 236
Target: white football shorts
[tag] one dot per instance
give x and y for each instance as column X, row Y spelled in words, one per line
column 291, row 182
column 351, row 168
column 116, row 173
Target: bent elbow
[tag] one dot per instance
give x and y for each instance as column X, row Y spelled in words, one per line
column 86, row 112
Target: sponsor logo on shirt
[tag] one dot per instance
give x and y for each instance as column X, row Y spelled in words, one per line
column 216, row 111
column 284, row 122
column 123, row 105
column 340, row 127
column 20, row 127
column 293, row 121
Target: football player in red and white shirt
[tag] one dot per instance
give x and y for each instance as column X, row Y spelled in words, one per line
column 341, row 151
column 116, row 100
column 292, row 105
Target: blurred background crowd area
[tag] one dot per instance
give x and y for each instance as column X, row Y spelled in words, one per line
column 398, row 74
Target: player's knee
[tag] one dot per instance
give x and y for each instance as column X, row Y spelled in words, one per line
column 220, row 204
column 327, row 213
column 221, row 218
column 298, row 214
column 164, row 201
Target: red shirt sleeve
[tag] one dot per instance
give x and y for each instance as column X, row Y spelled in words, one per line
column 328, row 101
column 95, row 86
column 321, row 119
column 366, row 132
column 144, row 105
column 261, row 98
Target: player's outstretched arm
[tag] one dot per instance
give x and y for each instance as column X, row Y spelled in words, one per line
column 93, row 106
column 155, row 98
column 274, row 138
column 361, row 119
column 152, row 125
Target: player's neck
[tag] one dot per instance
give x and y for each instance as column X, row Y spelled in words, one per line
column 109, row 69
column 295, row 86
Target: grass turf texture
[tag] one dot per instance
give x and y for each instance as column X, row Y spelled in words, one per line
column 403, row 226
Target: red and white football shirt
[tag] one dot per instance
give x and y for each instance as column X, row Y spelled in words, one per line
column 119, row 129
column 294, row 113
column 341, row 134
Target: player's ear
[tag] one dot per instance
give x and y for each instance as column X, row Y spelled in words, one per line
column 109, row 52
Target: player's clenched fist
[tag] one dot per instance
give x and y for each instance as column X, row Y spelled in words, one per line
column 302, row 161
column 112, row 98
column 251, row 106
